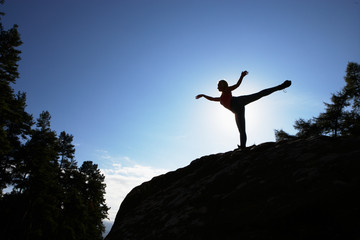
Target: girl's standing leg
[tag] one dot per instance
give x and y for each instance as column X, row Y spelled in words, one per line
column 238, row 107
column 240, row 122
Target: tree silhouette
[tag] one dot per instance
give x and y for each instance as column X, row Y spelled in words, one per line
column 93, row 194
column 341, row 116
column 42, row 191
column 50, row 197
column 15, row 123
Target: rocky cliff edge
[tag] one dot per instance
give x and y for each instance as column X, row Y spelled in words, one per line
column 299, row 189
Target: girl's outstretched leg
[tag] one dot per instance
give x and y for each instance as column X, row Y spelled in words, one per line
column 265, row 92
column 240, row 122
column 256, row 96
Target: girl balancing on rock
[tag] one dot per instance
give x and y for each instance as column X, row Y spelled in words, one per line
column 237, row 104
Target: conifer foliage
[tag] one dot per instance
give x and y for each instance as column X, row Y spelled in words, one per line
column 43, row 193
column 341, row 116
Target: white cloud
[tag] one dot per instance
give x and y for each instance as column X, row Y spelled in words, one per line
column 120, row 180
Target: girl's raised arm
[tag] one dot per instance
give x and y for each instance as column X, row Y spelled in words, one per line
column 243, row 74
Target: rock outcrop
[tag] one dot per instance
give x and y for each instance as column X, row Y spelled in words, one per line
column 299, row 189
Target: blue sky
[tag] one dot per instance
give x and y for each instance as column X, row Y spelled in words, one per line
column 122, row 76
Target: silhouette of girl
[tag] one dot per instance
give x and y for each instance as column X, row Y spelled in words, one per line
column 237, row 104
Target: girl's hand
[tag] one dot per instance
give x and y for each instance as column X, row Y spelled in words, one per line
column 199, row 96
column 244, row 73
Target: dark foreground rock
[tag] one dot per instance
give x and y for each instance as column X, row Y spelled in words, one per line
column 300, row 189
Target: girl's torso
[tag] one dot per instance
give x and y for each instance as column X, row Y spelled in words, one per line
column 225, row 99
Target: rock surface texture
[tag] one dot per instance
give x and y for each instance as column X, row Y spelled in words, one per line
column 299, row 189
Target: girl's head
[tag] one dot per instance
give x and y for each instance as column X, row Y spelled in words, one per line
column 222, row 85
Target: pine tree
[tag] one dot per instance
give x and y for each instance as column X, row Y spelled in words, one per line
column 341, row 116
column 67, row 150
column 281, row 135
column 43, row 192
column 73, row 209
column 352, row 90
column 331, row 122
column 93, row 193
column 352, row 87
column 307, row 128
column 51, row 197
column 15, row 123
